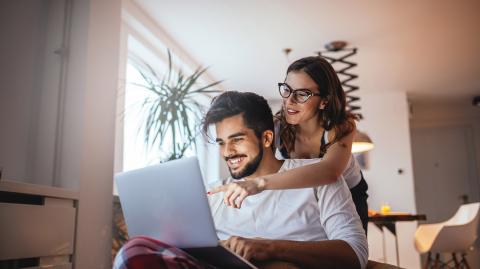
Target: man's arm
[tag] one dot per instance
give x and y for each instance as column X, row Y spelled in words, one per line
column 311, row 254
column 340, row 220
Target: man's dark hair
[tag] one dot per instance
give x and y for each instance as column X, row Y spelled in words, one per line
column 255, row 110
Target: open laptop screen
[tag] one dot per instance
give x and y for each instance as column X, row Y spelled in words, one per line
column 168, row 202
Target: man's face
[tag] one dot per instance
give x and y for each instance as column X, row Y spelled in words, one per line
column 239, row 146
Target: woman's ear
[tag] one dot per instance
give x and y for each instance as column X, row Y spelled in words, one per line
column 267, row 138
column 323, row 104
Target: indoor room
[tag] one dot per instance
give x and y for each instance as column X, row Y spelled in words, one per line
column 94, row 89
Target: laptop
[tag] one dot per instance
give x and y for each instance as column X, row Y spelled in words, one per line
column 168, row 202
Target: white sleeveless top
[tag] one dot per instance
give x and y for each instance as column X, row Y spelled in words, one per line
column 352, row 173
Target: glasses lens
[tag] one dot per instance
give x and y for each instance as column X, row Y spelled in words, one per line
column 301, row 96
column 284, row 90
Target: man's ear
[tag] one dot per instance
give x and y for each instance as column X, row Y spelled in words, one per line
column 267, row 138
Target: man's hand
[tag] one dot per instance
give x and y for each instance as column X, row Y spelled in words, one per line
column 250, row 249
column 236, row 192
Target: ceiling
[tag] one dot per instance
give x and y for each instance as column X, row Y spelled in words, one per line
column 429, row 49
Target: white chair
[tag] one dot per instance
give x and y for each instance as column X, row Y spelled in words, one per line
column 455, row 235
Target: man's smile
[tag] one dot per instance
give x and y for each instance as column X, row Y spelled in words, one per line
column 235, row 161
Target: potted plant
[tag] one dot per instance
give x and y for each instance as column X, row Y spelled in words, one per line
column 172, row 111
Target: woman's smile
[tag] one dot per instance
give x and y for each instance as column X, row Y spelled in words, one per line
column 292, row 111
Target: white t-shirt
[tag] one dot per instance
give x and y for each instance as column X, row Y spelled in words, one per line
column 308, row 214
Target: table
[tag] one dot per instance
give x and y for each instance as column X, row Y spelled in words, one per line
column 388, row 221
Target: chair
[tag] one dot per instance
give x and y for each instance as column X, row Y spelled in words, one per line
column 455, row 235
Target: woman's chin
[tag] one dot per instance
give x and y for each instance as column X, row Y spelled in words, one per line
column 294, row 123
column 291, row 120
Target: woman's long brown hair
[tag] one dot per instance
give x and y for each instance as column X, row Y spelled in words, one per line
column 334, row 116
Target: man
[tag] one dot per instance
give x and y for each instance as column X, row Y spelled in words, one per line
column 308, row 228
column 311, row 227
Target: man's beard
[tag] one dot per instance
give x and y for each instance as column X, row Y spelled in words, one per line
column 250, row 167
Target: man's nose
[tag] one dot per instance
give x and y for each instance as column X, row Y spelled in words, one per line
column 228, row 150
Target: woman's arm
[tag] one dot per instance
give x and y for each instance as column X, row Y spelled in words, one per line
column 324, row 172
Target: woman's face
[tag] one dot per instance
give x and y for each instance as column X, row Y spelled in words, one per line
column 299, row 113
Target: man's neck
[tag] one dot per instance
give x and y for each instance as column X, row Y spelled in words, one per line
column 268, row 165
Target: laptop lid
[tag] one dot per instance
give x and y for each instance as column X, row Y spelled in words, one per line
column 168, row 202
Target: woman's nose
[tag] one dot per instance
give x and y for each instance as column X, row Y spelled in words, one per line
column 291, row 99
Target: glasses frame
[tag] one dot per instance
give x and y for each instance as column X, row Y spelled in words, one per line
column 294, row 92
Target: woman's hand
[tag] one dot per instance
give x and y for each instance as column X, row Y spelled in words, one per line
column 236, row 192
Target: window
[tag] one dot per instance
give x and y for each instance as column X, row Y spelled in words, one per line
column 141, row 45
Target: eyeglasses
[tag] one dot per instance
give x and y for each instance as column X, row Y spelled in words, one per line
column 300, row 95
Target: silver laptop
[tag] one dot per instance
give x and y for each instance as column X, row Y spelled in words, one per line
column 168, row 202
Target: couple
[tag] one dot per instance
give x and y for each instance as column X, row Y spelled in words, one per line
column 306, row 227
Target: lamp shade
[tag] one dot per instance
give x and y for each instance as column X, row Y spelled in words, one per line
column 361, row 142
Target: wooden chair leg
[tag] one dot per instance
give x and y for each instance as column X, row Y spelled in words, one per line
column 455, row 261
column 464, row 261
column 437, row 261
column 429, row 261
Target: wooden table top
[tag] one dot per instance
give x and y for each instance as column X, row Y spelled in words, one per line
column 392, row 217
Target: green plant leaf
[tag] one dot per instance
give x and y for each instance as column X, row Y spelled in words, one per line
column 172, row 110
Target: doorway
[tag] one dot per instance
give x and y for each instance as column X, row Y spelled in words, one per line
column 444, row 164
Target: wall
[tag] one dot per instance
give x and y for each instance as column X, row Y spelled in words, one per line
column 16, row 93
column 86, row 125
column 386, row 122
column 87, row 148
column 30, row 75
column 448, row 113
column 82, row 132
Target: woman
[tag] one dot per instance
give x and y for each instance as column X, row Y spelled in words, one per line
column 313, row 123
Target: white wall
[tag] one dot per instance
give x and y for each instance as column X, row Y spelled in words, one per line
column 448, row 113
column 386, row 122
column 87, row 144
column 30, row 75
column 28, row 104
column 16, row 94
column 50, row 86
